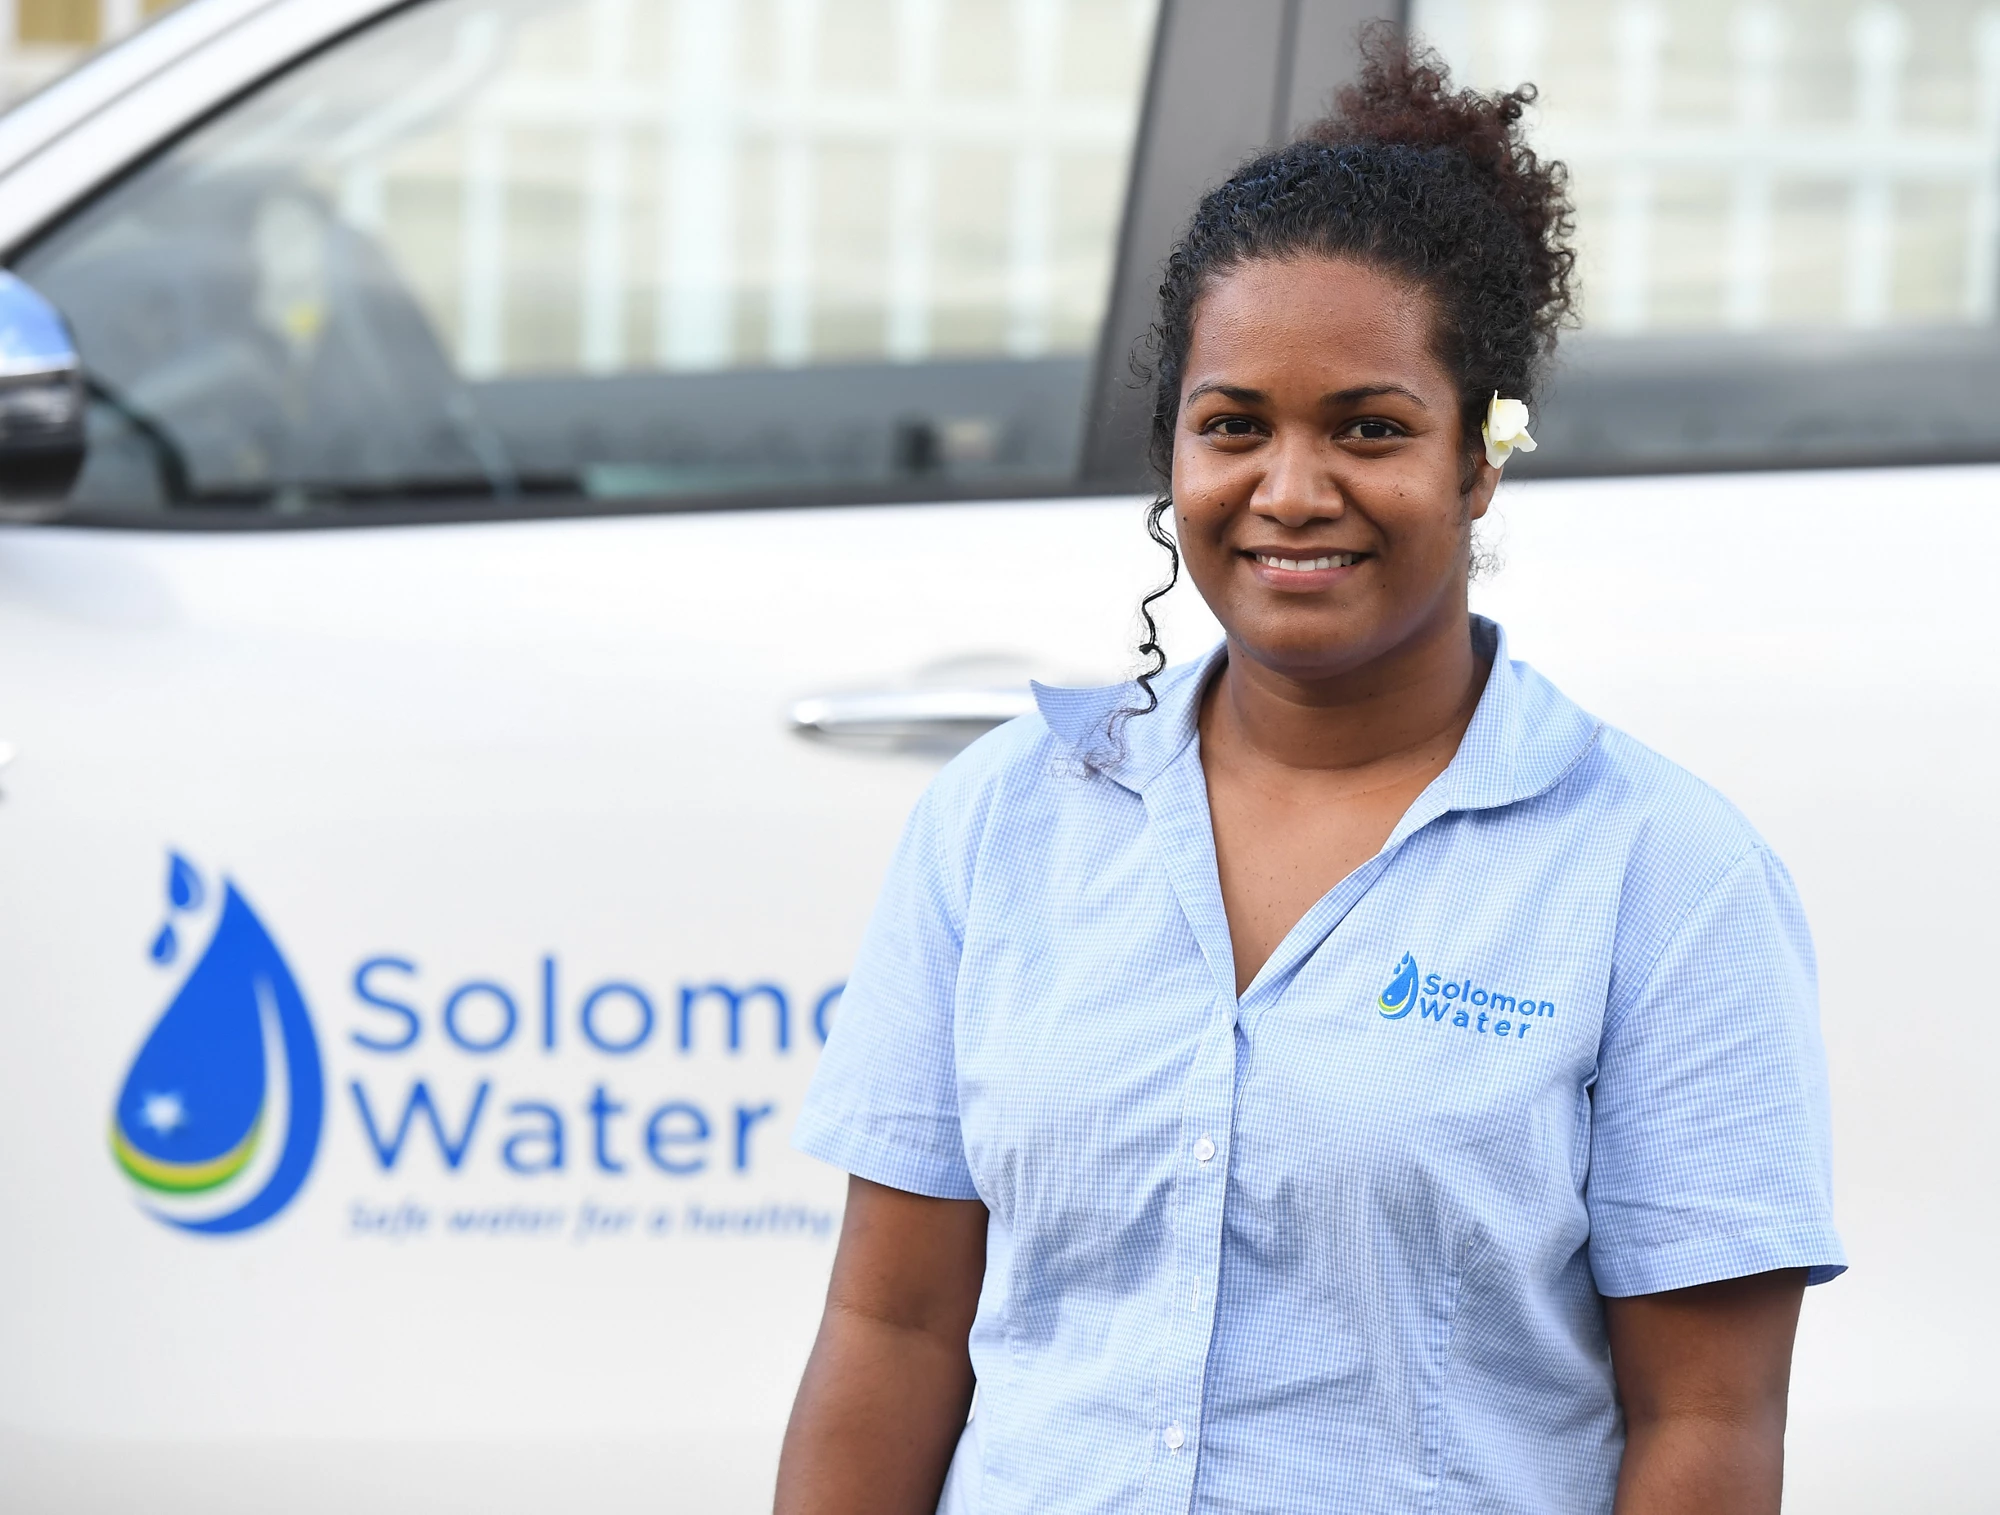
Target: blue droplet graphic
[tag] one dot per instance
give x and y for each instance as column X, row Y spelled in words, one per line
column 195, row 1105
column 1396, row 1001
column 184, row 887
column 165, row 945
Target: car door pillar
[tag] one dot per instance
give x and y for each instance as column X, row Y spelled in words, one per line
column 1226, row 81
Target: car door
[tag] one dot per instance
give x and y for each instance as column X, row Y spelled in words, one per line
column 561, row 473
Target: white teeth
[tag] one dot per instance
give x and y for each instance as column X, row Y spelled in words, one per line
column 1307, row 565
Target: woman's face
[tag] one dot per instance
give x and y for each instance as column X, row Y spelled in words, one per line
column 1318, row 467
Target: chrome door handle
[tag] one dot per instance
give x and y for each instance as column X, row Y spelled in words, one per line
column 909, row 720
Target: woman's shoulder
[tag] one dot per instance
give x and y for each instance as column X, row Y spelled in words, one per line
column 1649, row 796
column 1673, row 838
column 1080, row 749
column 1575, row 763
column 1010, row 753
column 1000, row 771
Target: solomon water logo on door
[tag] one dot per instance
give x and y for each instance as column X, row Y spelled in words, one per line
column 219, row 1118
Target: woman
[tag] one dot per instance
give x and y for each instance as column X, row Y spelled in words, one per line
column 1145, row 1136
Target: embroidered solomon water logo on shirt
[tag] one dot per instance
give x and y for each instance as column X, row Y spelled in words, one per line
column 1461, row 1003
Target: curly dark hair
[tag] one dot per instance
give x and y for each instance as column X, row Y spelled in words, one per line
column 1413, row 177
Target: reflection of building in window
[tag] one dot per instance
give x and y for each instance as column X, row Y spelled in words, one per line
column 682, row 184
column 42, row 38
column 635, row 249
column 1755, row 163
column 66, row 23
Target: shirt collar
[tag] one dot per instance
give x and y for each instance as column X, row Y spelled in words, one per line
column 1525, row 734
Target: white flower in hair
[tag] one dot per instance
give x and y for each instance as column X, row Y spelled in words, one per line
column 1505, row 428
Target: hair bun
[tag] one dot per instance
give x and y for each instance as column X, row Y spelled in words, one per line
column 1403, row 97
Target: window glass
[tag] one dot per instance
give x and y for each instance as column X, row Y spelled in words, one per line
column 1808, row 187
column 627, row 249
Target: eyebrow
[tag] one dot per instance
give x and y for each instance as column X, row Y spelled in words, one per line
column 1370, row 392
column 1237, row 392
column 1244, row 395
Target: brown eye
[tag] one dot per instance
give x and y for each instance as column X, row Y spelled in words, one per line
column 1234, row 426
column 1375, row 431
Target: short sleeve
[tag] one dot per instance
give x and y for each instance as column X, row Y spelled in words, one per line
column 1710, row 1150
column 884, row 1103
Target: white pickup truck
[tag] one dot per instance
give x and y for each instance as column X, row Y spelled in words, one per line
column 508, row 501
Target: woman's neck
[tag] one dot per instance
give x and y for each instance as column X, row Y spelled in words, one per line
column 1392, row 710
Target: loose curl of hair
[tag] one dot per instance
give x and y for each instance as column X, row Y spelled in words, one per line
column 1408, row 175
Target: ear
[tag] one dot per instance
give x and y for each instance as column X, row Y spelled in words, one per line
column 1479, row 488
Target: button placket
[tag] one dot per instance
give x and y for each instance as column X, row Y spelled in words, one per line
column 1201, row 1189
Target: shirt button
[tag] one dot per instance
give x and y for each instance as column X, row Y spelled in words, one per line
column 1204, row 1150
column 1174, row 1437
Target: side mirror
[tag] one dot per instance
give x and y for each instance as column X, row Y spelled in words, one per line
column 41, row 397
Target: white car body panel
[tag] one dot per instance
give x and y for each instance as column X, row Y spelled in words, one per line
column 468, row 746
column 474, row 744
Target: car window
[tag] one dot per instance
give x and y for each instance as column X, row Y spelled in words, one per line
column 624, row 250
column 1788, row 215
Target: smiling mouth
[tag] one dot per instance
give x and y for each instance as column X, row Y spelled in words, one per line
column 1309, row 565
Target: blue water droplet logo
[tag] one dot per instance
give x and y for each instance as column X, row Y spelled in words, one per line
column 1400, row 997
column 166, row 946
column 226, row 1096
column 184, row 886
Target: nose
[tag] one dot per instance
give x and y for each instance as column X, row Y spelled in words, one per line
column 1298, row 487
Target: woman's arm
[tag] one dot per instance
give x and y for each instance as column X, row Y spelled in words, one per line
column 889, row 1382
column 1703, row 1374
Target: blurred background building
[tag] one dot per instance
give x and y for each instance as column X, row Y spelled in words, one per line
column 41, row 38
column 1738, row 164
column 577, row 194
column 1770, row 163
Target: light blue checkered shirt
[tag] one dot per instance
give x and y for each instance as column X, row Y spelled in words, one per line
column 1337, row 1246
